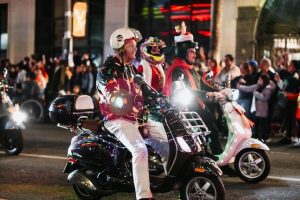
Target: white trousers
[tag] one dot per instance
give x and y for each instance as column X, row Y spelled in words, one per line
column 127, row 132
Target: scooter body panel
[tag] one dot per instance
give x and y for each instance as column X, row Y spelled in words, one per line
column 239, row 135
column 251, row 143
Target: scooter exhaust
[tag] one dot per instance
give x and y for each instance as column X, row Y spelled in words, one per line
column 79, row 178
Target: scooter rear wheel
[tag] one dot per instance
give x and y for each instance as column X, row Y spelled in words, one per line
column 83, row 194
column 252, row 165
column 202, row 186
column 12, row 141
column 34, row 110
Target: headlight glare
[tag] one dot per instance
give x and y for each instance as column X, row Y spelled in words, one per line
column 183, row 97
column 119, row 103
column 19, row 117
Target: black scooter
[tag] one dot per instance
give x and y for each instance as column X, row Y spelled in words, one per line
column 11, row 123
column 99, row 165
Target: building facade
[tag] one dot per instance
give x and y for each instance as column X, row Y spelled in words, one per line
column 248, row 28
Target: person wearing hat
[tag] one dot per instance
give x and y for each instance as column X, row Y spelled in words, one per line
column 151, row 66
column 115, row 79
column 253, row 70
column 182, row 65
column 185, row 56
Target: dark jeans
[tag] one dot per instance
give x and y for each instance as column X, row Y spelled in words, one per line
column 261, row 128
column 290, row 118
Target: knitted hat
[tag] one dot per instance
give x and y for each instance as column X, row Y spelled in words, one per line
column 184, row 41
column 184, row 36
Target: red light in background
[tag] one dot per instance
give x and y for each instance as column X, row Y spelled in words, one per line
column 205, row 33
column 181, row 17
column 201, row 11
column 201, row 5
column 204, row 17
column 175, row 8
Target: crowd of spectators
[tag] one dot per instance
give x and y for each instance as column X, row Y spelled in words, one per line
column 267, row 92
column 44, row 79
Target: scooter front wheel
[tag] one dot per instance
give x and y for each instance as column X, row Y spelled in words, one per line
column 252, row 165
column 202, row 186
column 12, row 141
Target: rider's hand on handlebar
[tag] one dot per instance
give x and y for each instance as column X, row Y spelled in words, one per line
column 210, row 94
column 215, row 95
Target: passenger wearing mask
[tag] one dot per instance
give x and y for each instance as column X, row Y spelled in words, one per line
column 151, row 66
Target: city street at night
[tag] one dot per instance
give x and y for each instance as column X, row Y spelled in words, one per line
column 170, row 100
column 37, row 172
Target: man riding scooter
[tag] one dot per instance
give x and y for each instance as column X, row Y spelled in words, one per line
column 182, row 66
column 116, row 78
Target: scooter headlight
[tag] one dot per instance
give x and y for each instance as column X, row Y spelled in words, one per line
column 119, row 102
column 183, row 97
column 19, row 117
column 183, row 145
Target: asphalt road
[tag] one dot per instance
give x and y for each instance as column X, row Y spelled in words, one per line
column 37, row 173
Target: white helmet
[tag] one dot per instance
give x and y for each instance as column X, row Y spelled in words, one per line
column 119, row 36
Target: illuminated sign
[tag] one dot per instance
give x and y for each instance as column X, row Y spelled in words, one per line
column 79, row 19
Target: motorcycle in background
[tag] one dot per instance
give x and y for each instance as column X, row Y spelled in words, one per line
column 12, row 123
column 99, row 165
column 251, row 161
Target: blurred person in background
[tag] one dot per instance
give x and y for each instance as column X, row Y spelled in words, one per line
column 229, row 72
column 265, row 67
column 24, row 69
column 76, row 90
column 261, row 94
column 87, row 81
column 253, row 70
column 200, row 62
column 213, row 71
column 289, row 85
column 245, row 98
column 60, row 83
column 77, row 76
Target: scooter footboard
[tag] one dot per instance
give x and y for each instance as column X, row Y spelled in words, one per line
column 251, row 143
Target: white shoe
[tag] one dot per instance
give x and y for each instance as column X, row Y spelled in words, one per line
column 295, row 140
